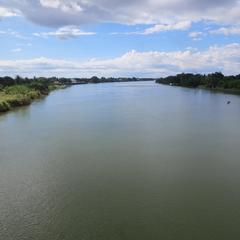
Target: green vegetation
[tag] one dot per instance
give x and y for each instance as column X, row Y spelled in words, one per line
column 211, row 81
column 21, row 92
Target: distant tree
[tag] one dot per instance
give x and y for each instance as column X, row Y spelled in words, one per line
column 18, row 80
column 94, row 79
column 7, row 81
column 213, row 79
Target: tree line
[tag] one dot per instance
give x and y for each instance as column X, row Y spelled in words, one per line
column 43, row 81
column 213, row 81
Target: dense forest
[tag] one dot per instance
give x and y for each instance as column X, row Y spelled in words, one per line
column 212, row 81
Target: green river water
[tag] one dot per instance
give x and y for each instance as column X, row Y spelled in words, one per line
column 122, row 161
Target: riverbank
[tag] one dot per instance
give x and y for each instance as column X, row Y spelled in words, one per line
column 221, row 90
column 214, row 82
column 217, row 90
column 18, row 91
column 23, row 94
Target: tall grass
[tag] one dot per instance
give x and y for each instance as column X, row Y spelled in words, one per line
column 23, row 94
column 17, row 95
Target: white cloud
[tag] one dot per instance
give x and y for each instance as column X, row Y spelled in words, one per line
column 7, row 12
column 16, row 50
column 234, row 30
column 50, row 3
column 60, row 13
column 67, row 6
column 183, row 25
column 10, row 32
column 196, row 35
column 65, row 33
column 27, row 44
column 133, row 63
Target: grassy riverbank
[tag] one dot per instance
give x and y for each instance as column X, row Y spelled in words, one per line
column 23, row 94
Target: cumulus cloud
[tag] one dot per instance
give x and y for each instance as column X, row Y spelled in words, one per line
column 10, row 32
column 65, row 33
column 196, row 35
column 60, row 13
column 234, row 30
column 6, row 12
column 184, row 25
column 133, row 63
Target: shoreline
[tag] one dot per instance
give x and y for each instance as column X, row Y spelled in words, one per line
column 216, row 82
column 219, row 90
column 10, row 101
column 23, row 94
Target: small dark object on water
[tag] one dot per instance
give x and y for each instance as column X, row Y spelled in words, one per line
column 228, row 102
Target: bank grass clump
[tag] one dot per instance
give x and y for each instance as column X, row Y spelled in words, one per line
column 8, row 101
column 18, row 91
column 4, row 106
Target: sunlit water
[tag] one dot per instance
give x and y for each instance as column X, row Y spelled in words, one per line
column 122, row 161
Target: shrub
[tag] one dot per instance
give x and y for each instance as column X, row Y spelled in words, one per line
column 4, row 106
column 17, row 89
column 19, row 101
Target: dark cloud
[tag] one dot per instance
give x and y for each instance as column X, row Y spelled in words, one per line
column 58, row 13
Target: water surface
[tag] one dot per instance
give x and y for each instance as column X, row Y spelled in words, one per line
column 121, row 161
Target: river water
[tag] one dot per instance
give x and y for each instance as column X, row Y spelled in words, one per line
column 121, row 161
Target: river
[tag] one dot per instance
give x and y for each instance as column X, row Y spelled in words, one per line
column 121, row 161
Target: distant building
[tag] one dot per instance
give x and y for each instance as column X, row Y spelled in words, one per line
column 73, row 81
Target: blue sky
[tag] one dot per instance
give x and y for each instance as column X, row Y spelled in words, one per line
column 76, row 39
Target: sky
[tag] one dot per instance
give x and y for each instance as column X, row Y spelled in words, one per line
column 113, row 38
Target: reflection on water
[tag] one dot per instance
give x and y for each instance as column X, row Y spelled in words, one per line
column 121, row 161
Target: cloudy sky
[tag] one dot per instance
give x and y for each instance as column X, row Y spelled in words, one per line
column 148, row 38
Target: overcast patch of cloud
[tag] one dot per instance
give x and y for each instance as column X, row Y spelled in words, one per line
column 155, row 64
column 58, row 13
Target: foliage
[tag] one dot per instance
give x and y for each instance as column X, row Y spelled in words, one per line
column 213, row 81
column 17, row 89
column 21, row 91
column 4, row 106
